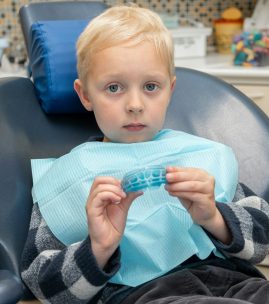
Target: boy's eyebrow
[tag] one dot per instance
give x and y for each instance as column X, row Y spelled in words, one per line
column 148, row 75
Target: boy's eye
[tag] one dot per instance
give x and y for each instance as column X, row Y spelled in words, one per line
column 113, row 88
column 151, row 87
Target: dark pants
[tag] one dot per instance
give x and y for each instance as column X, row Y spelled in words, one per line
column 203, row 285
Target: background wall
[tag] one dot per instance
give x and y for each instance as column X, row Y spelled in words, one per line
column 204, row 11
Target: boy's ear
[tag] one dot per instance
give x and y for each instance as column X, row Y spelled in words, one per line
column 83, row 96
column 173, row 84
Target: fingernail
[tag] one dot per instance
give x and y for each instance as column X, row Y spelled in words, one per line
column 168, row 176
column 138, row 193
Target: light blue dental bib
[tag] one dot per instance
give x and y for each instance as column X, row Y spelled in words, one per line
column 159, row 233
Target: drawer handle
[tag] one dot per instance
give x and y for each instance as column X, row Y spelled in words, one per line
column 256, row 95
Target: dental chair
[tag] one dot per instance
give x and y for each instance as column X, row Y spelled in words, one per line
column 40, row 119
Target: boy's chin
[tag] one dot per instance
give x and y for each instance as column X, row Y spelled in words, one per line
column 129, row 139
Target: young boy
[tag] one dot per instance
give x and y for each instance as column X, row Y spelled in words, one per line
column 126, row 77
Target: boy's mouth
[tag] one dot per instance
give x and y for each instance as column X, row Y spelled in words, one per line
column 134, row 127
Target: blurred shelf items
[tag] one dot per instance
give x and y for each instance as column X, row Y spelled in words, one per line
column 230, row 24
column 247, row 39
column 189, row 36
column 251, row 47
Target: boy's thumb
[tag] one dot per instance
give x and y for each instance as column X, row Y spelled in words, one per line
column 131, row 196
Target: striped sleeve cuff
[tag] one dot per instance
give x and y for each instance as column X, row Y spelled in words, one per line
column 89, row 268
column 233, row 223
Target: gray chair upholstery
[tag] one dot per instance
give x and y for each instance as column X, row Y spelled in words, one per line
column 202, row 105
column 23, row 136
column 209, row 107
column 15, row 200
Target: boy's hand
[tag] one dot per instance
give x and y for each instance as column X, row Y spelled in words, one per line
column 195, row 189
column 107, row 208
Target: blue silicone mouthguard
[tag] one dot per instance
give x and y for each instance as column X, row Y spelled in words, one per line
column 140, row 179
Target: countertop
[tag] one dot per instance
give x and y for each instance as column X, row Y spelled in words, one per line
column 215, row 64
column 222, row 66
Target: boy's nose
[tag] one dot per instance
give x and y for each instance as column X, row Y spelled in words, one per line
column 135, row 104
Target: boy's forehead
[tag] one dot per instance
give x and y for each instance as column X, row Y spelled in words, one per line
column 115, row 71
column 124, row 57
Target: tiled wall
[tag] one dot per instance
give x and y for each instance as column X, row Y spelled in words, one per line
column 200, row 10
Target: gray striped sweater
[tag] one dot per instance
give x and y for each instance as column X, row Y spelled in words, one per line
column 56, row 273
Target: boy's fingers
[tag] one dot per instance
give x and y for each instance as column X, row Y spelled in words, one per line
column 105, row 180
column 130, row 198
column 172, row 169
column 108, row 197
column 188, row 186
column 108, row 188
column 187, row 174
column 180, row 176
column 102, row 183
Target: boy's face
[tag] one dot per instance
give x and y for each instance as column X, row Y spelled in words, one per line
column 129, row 89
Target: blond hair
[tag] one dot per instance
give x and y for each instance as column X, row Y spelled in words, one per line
column 123, row 24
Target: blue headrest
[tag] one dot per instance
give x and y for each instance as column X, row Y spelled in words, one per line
column 53, row 64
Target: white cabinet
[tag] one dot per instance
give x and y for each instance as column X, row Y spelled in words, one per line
column 258, row 93
column 252, row 81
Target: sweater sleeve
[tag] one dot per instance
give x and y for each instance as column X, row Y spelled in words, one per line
column 56, row 273
column 247, row 218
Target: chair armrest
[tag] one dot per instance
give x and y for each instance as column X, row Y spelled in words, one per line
column 11, row 287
